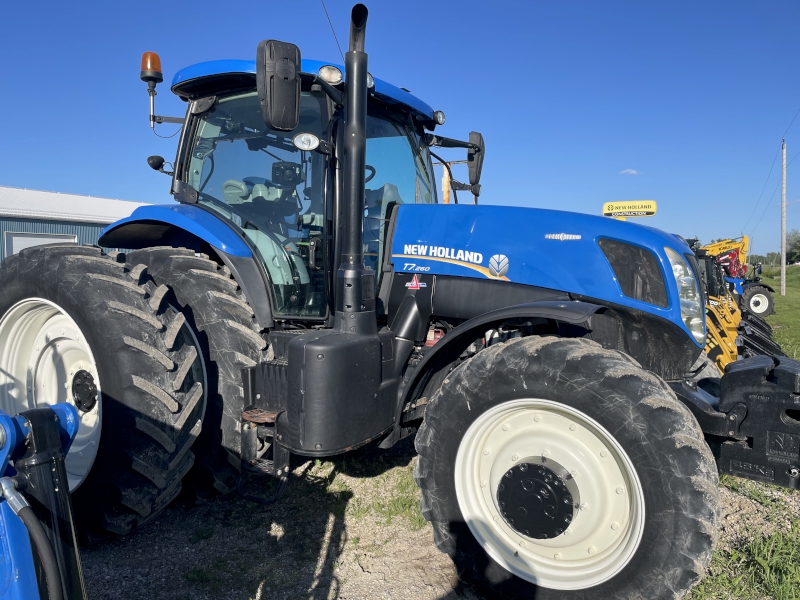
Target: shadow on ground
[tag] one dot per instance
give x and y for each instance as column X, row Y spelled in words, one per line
column 340, row 531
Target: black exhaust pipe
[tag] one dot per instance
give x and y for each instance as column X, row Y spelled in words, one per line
column 355, row 283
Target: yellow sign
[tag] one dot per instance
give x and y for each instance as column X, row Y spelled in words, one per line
column 630, row 208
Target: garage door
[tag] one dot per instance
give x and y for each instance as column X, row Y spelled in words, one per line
column 15, row 242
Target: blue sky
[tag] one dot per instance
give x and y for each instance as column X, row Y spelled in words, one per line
column 692, row 96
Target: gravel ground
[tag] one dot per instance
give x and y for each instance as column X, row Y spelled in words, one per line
column 347, row 528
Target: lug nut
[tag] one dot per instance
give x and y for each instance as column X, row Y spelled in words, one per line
column 537, row 418
column 592, row 550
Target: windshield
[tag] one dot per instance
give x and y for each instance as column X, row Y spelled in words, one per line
column 273, row 192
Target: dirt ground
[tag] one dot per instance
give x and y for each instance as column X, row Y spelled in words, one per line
column 348, row 528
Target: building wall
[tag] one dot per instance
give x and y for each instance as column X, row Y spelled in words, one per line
column 87, row 233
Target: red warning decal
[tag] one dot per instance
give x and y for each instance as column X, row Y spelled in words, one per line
column 415, row 283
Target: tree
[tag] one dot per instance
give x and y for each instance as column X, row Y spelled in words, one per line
column 792, row 246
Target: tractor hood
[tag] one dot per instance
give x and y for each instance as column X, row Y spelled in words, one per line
column 545, row 248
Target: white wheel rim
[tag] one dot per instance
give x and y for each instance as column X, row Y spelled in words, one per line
column 608, row 527
column 759, row 303
column 41, row 348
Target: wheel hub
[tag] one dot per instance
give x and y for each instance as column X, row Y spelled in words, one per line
column 538, row 501
column 84, row 390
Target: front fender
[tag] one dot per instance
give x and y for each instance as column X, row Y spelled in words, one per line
column 456, row 341
column 150, row 224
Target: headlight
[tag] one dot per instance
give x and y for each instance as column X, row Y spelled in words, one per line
column 692, row 311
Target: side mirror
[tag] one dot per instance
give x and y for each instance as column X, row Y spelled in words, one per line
column 475, row 157
column 278, row 84
column 157, row 164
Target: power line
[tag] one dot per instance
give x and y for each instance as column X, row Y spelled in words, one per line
column 768, row 176
column 334, row 31
column 752, row 231
column 762, row 190
column 790, row 124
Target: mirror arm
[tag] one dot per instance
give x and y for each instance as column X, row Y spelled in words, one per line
column 444, row 142
column 159, row 119
column 330, row 91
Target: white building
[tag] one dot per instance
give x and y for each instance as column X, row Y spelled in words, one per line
column 32, row 217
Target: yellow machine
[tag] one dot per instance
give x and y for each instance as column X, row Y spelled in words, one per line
column 752, row 293
column 723, row 246
column 731, row 331
column 722, row 330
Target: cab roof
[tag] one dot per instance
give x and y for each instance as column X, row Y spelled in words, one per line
column 202, row 78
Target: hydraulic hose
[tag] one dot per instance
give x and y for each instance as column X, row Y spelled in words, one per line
column 23, row 510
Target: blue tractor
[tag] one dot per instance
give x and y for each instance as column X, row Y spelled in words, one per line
column 307, row 295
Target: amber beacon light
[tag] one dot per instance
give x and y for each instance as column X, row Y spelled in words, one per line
column 151, row 74
column 151, row 69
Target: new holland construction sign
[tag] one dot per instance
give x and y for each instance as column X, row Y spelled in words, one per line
column 629, row 208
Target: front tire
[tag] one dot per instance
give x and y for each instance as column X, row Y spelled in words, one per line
column 556, row 468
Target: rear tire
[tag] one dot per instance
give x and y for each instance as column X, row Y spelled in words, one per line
column 57, row 301
column 589, row 415
column 217, row 310
column 758, row 300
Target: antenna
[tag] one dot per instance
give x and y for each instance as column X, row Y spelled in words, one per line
column 333, row 31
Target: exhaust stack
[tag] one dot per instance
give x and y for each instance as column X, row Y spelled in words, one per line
column 355, row 283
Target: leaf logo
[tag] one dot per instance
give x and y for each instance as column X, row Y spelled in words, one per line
column 498, row 265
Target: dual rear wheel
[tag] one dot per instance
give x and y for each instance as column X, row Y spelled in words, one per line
column 81, row 327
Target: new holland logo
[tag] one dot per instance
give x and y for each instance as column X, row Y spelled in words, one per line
column 415, row 283
column 562, row 236
column 498, row 265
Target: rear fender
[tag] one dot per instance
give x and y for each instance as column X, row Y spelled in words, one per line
column 452, row 345
column 183, row 225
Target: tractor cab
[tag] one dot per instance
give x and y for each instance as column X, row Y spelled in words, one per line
column 278, row 188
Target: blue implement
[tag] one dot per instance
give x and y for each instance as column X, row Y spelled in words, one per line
column 17, row 571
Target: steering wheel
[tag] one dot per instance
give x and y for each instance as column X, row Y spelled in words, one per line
column 371, row 175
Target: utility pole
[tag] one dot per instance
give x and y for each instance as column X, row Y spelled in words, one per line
column 446, row 186
column 783, row 217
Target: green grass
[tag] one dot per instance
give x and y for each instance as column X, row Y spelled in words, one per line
column 403, row 501
column 763, row 565
column 786, row 320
